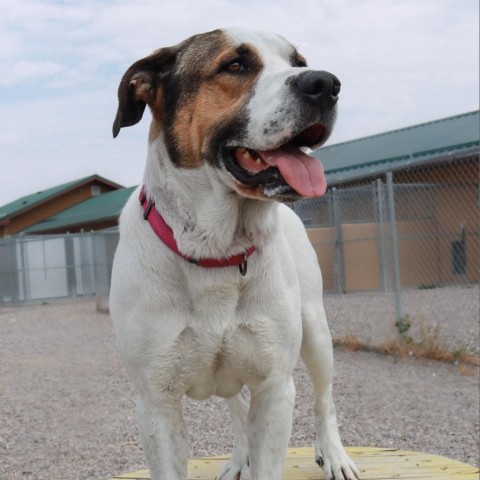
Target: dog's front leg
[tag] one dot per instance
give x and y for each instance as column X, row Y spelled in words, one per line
column 317, row 353
column 268, row 428
column 237, row 467
column 164, row 438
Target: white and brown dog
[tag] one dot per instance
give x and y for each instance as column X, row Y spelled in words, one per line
column 232, row 110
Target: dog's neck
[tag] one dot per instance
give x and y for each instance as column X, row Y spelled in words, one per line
column 208, row 219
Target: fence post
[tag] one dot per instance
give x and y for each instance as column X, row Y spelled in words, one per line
column 337, row 223
column 396, row 263
column 381, row 235
column 86, row 277
column 13, row 269
column 25, row 269
column 70, row 265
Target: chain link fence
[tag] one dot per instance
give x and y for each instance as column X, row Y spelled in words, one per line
column 362, row 231
column 400, row 247
column 41, row 268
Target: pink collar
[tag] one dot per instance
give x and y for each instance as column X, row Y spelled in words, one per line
column 165, row 233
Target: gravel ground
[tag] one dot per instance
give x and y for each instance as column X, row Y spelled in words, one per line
column 447, row 316
column 67, row 407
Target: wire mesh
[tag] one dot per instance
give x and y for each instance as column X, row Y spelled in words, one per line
column 409, row 240
column 39, row 268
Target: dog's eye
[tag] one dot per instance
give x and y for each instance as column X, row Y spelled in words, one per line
column 235, row 66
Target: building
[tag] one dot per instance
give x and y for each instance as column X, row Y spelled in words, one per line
column 23, row 213
column 96, row 213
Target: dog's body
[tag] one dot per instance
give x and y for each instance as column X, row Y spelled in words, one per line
column 229, row 111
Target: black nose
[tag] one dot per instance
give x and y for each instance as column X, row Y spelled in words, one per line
column 321, row 88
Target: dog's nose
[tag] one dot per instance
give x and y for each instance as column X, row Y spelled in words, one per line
column 319, row 87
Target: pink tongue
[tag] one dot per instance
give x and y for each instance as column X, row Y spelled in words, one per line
column 302, row 172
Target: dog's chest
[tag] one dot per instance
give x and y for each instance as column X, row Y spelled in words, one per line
column 234, row 333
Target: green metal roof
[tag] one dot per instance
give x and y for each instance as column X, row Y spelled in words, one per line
column 95, row 209
column 29, row 201
column 449, row 137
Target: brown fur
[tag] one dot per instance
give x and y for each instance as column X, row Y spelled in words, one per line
column 156, row 107
column 204, row 91
column 196, row 120
column 198, row 115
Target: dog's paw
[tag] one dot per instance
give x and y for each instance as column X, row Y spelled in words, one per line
column 233, row 470
column 336, row 463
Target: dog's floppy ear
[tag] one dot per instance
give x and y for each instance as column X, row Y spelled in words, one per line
column 139, row 84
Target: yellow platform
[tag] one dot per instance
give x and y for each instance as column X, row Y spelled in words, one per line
column 373, row 463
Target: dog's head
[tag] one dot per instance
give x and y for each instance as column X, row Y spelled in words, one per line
column 243, row 102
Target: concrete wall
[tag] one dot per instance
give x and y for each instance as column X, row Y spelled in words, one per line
column 357, row 262
column 323, row 241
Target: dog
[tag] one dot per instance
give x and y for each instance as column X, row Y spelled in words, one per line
column 215, row 285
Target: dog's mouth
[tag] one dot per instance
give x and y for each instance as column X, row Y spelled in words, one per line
column 284, row 171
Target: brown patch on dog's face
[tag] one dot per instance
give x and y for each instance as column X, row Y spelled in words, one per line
column 195, row 92
column 157, row 109
column 206, row 94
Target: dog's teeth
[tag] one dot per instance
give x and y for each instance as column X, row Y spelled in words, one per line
column 244, row 154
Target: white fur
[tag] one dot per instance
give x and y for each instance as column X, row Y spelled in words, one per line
column 271, row 97
column 184, row 329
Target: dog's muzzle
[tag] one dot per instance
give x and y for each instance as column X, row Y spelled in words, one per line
column 283, row 170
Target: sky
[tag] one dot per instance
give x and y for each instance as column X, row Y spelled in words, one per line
column 401, row 62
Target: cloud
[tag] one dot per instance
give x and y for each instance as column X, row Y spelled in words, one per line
column 28, row 70
column 400, row 63
column 9, row 138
